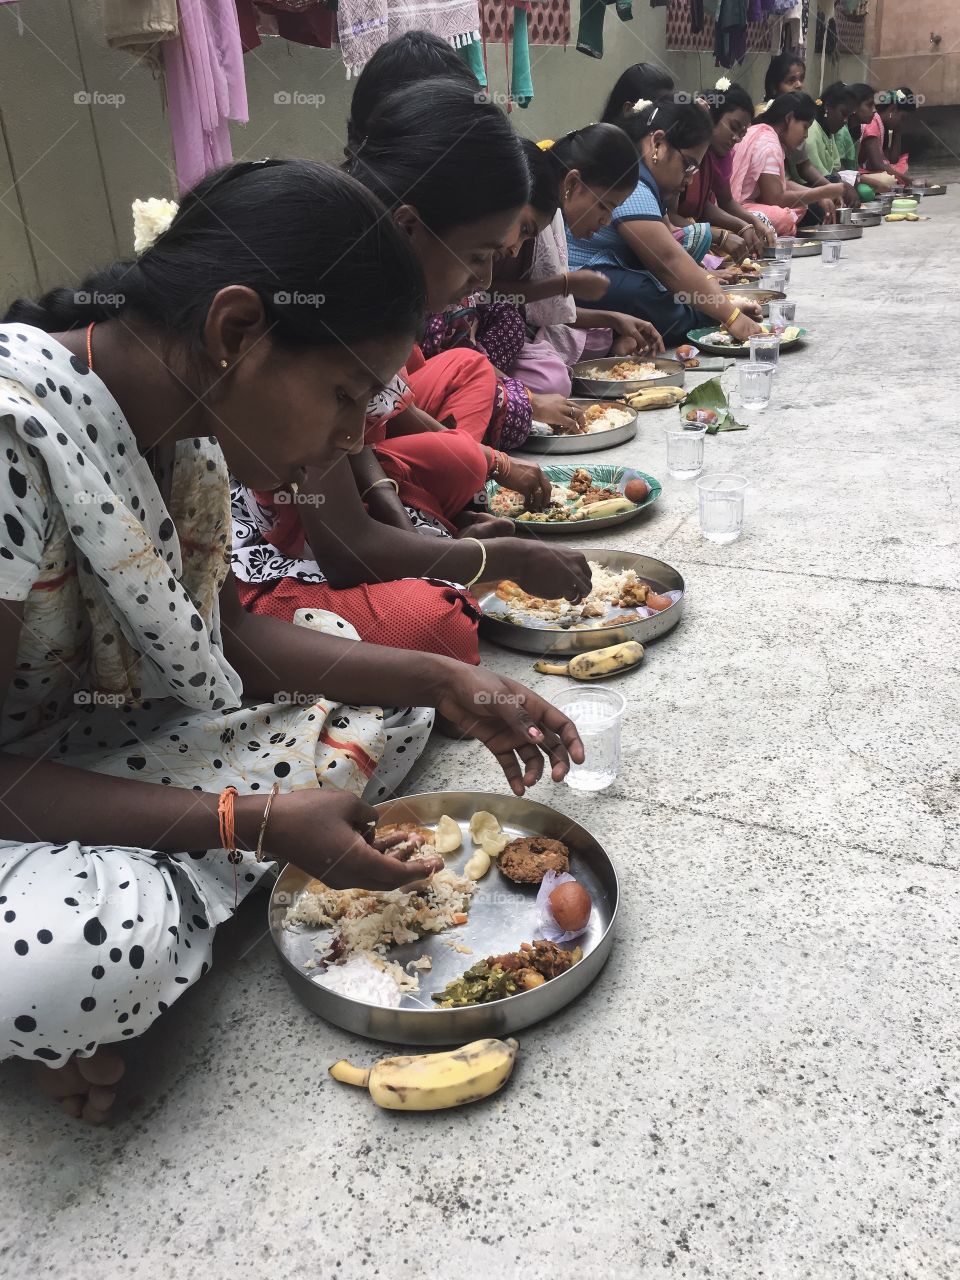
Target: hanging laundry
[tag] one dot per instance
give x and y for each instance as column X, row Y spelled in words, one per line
column 137, row 26
column 205, row 87
column 364, row 25
column 472, row 55
column 590, row 31
column 548, row 21
column 521, row 80
column 730, row 35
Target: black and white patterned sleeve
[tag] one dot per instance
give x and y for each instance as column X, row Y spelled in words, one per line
column 24, row 510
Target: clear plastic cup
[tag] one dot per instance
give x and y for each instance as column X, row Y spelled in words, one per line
column 832, row 250
column 775, row 276
column 783, row 311
column 598, row 714
column 765, row 349
column 756, row 385
column 721, row 507
column 685, row 449
column 783, row 250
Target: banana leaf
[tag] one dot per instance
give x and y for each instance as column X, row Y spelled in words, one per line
column 710, row 395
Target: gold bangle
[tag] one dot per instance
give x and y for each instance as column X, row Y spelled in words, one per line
column 730, row 318
column 266, row 817
column 385, row 480
column 483, row 563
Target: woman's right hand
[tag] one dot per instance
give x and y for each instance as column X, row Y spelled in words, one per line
column 743, row 328
column 558, row 411
column 327, row 833
column 590, row 286
column 734, row 246
column 528, row 479
column 552, row 572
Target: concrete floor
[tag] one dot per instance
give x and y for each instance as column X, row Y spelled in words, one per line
column 764, row 1080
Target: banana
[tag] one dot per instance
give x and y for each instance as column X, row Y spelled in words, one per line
column 552, row 668
column 595, row 665
column 604, row 662
column 609, row 507
column 895, row 217
column 656, row 398
column 434, row 1081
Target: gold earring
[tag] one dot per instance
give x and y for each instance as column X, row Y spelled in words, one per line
column 656, row 156
column 224, row 364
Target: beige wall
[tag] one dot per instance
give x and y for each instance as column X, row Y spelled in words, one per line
column 69, row 170
column 905, row 55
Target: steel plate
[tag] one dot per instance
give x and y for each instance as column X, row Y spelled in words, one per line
column 859, row 218
column 590, row 443
column 696, row 336
column 801, row 248
column 502, row 915
column 833, row 233
column 935, row 189
column 606, row 476
column 548, row 639
column 671, row 376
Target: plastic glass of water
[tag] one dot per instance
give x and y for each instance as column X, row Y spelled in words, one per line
column 776, row 275
column 765, row 349
column 831, row 252
column 783, row 250
column 721, row 507
column 685, row 450
column 756, row 384
column 598, row 714
column 783, row 312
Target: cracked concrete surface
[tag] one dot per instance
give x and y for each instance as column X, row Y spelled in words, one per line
column 763, row 1082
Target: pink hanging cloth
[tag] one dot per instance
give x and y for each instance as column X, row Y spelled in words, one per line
column 205, row 85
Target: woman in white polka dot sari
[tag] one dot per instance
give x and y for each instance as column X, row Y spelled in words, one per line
column 137, row 689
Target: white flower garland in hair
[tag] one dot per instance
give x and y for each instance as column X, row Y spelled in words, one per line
column 723, row 84
column 150, row 219
column 640, row 105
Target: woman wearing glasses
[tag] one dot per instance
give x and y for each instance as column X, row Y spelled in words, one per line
column 708, row 197
column 649, row 271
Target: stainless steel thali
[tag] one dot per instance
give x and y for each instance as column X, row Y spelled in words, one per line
column 532, row 637
column 590, row 442
column 865, row 218
column 670, row 375
column 834, row 232
column 801, row 248
column 502, row 915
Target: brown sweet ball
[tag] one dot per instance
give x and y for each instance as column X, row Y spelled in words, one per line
column 636, row 490
column 571, row 906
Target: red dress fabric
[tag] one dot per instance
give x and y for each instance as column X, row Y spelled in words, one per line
column 409, row 614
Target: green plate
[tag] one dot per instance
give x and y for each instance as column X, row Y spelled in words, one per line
column 604, row 476
column 698, row 336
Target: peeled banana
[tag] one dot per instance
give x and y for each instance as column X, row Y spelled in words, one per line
column 434, row 1081
column 656, row 398
column 597, row 664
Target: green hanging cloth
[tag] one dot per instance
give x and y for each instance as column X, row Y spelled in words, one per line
column 472, row 54
column 590, row 31
column 521, row 81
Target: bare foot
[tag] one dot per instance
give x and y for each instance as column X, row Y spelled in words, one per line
column 85, row 1087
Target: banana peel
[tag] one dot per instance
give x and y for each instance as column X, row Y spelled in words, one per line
column 656, row 398
column 434, row 1081
column 597, row 664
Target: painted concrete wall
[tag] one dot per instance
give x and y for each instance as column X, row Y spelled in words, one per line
column 70, row 165
column 904, row 53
